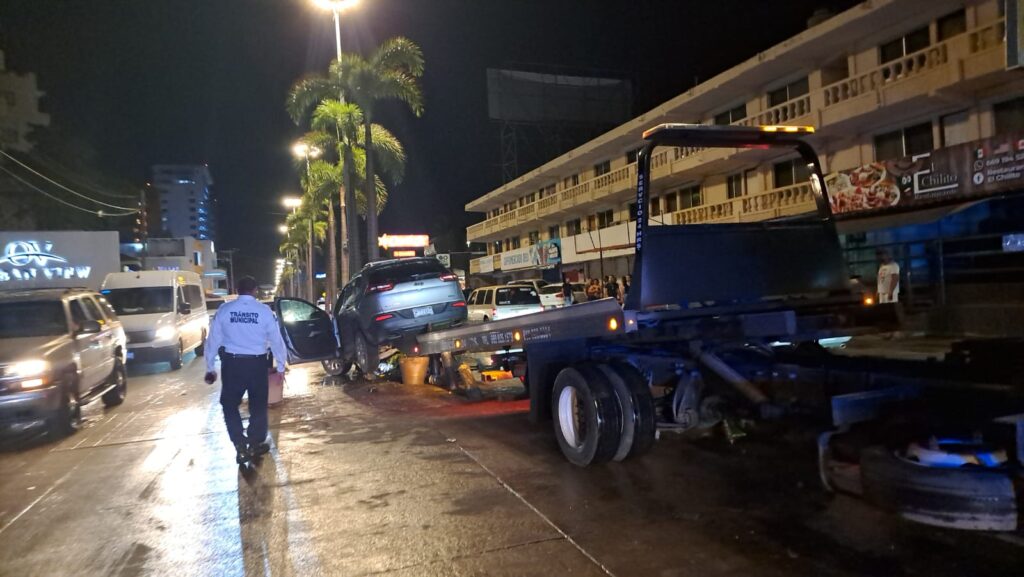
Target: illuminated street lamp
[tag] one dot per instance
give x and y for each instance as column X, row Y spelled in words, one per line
column 282, row 228
column 303, row 149
column 337, row 7
column 292, row 202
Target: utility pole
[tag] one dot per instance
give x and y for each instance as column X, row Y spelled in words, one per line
column 231, row 268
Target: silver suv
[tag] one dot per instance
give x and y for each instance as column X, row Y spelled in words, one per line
column 386, row 302
column 59, row 349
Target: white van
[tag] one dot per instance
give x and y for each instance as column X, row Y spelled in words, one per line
column 501, row 302
column 163, row 313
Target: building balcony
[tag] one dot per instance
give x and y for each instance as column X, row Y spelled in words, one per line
column 920, row 83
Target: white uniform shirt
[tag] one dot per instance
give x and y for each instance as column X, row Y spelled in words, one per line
column 245, row 326
column 887, row 284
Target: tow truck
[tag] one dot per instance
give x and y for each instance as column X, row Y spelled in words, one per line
column 725, row 320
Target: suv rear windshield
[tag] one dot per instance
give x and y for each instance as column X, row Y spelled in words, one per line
column 406, row 271
column 518, row 295
column 32, row 319
column 141, row 300
column 551, row 289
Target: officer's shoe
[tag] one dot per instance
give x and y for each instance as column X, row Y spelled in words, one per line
column 242, row 454
column 259, row 449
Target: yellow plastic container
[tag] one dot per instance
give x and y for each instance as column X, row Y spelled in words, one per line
column 414, row 370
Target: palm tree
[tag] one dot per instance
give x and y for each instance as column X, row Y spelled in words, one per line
column 340, row 122
column 391, row 73
column 306, row 226
column 321, row 182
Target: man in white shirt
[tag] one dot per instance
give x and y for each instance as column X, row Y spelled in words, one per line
column 888, row 278
column 241, row 333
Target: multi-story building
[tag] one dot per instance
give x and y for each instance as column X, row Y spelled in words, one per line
column 186, row 202
column 882, row 81
column 19, row 109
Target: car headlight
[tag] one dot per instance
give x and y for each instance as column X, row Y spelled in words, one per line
column 29, row 368
column 165, row 333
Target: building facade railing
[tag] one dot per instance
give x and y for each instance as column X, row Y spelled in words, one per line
column 675, row 160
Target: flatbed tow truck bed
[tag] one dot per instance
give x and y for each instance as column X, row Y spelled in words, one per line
column 698, row 341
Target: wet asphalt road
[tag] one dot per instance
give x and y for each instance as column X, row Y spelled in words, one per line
column 379, row 478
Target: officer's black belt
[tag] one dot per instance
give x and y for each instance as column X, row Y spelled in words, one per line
column 236, row 356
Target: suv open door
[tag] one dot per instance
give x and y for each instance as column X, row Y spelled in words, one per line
column 309, row 332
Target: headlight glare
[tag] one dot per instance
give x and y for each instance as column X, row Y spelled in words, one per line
column 165, row 333
column 30, row 368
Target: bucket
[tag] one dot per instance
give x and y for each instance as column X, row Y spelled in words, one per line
column 275, row 390
column 414, row 370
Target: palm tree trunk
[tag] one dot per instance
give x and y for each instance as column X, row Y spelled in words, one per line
column 332, row 258
column 373, row 253
column 309, row 261
column 354, row 252
column 345, row 248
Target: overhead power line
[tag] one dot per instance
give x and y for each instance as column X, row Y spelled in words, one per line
column 98, row 213
column 55, row 183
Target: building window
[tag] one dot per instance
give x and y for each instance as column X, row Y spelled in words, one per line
column 605, row 218
column 532, row 197
column 788, row 92
column 956, row 128
column 632, row 155
column 900, row 47
column 655, row 206
column 671, row 204
column 496, row 247
column 602, row 168
column 732, row 115
column 570, row 181
column 534, row 237
column 734, row 185
column 632, row 211
column 512, row 243
column 907, row 141
column 689, row 197
column 592, row 222
column 953, row 24
column 1009, row 115
column 549, row 190
column 790, row 172
column 573, row 227
column 554, row 232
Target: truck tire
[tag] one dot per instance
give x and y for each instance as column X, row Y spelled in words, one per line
column 588, row 420
column 643, row 417
column 66, row 419
column 119, row 379
column 961, row 497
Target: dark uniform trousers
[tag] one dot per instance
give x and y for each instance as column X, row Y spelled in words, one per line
column 238, row 376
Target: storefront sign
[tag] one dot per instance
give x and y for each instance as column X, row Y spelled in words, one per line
column 445, row 259
column 544, row 254
column 975, row 169
column 387, row 241
column 57, row 259
column 486, row 264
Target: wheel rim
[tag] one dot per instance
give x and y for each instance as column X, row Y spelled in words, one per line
column 120, row 383
column 333, row 366
column 74, row 411
column 570, row 417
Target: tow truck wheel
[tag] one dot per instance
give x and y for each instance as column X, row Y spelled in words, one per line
column 638, row 413
column 588, row 421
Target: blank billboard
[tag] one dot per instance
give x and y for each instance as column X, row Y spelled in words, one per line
column 532, row 97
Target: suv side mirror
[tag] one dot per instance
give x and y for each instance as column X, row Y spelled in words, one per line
column 90, row 327
column 184, row 309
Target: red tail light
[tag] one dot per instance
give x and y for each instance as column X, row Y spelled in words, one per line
column 460, row 304
column 449, row 277
column 379, row 288
column 383, row 317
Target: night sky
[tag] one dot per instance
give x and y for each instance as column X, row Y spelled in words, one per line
column 204, row 81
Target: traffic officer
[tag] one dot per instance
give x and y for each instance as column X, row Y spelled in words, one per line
column 240, row 333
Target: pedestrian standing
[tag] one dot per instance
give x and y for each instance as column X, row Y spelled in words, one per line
column 611, row 288
column 566, row 290
column 594, row 290
column 888, row 278
column 241, row 334
column 622, row 289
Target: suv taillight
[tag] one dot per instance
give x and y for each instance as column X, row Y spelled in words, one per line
column 380, row 288
column 449, row 277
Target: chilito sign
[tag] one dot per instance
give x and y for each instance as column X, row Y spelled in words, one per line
column 962, row 172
